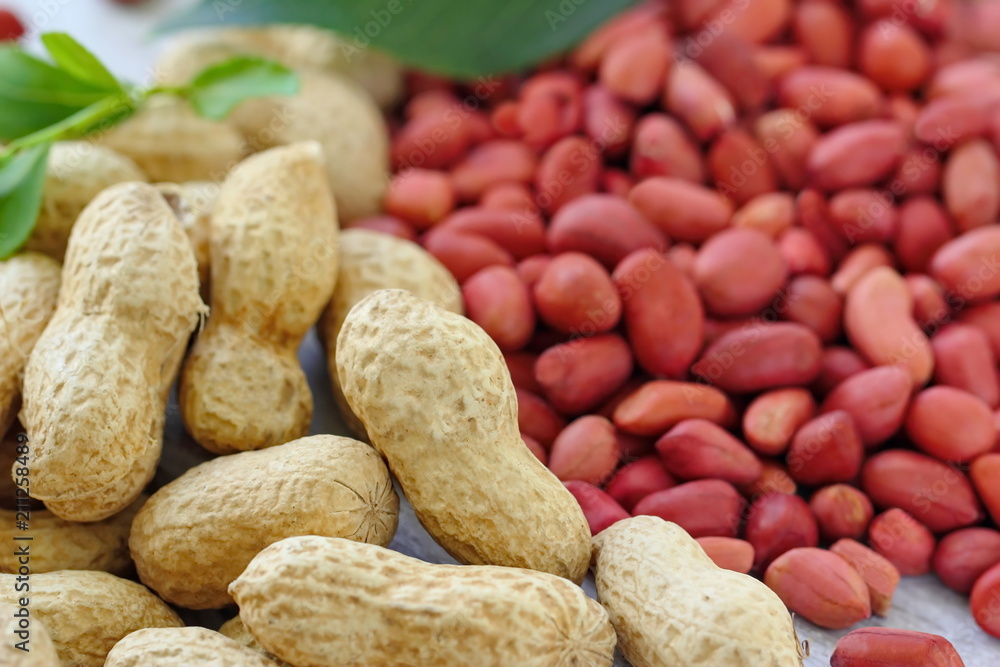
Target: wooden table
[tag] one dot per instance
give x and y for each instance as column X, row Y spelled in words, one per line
column 921, row 603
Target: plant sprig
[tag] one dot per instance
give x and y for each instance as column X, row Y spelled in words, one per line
column 75, row 96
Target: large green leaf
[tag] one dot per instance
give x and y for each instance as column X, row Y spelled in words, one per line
column 22, row 179
column 462, row 38
column 72, row 57
column 35, row 94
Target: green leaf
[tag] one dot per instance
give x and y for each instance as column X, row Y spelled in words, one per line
column 461, row 38
column 35, row 94
column 72, row 57
column 220, row 88
column 22, row 179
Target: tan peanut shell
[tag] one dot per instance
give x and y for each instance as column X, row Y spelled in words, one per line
column 76, row 172
column 96, row 383
column 172, row 144
column 57, row 544
column 236, row 630
column 196, row 534
column 274, row 266
column 182, row 647
column 317, row 601
column 338, row 114
column 29, row 289
column 437, row 401
column 300, row 47
column 32, row 647
column 86, row 612
column 192, row 204
column 671, row 605
column 370, row 261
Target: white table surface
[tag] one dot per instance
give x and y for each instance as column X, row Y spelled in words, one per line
column 121, row 37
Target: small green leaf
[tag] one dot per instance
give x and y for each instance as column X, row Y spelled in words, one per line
column 217, row 90
column 22, row 180
column 35, row 94
column 461, row 38
column 72, row 57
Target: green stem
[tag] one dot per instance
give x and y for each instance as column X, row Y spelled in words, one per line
column 73, row 126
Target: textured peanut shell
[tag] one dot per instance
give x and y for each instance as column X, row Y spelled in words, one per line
column 436, row 398
column 29, row 289
column 671, row 605
column 236, row 630
column 274, row 267
column 317, row 601
column 338, row 114
column 58, row 544
column 76, row 172
column 192, row 204
column 172, row 144
column 182, row 647
column 300, row 47
column 87, row 613
column 41, row 651
column 370, row 261
column 96, row 383
column 196, row 534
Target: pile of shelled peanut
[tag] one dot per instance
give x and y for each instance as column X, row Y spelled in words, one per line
column 741, row 258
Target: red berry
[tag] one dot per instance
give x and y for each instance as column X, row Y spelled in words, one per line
column 11, row 28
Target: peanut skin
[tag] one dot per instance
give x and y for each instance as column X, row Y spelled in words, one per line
column 86, row 613
column 29, row 289
column 96, row 384
column 437, row 400
column 235, row 629
column 668, row 602
column 195, row 535
column 317, row 601
column 274, row 267
column 182, row 647
column 370, row 261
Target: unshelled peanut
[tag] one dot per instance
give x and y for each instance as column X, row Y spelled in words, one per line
column 315, row 601
column 370, row 261
column 96, row 383
column 437, row 401
column 667, row 601
column 323, row 485
column 274, row 267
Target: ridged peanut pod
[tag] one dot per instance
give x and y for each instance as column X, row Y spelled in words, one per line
column 20, row 647
column 172, row 144
column 318, row 601
column 437, row 400
column 182, row 647
column 76, row 172
column 274, row 266
column 29, row 289
column 300, row 47
column 57, row 544
column 338, row 114
column 671, row 605
column 192, row 204
column 370, row 261
column 87, row 613
column 236, row 630
column 96, row 384
column 196, row 534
